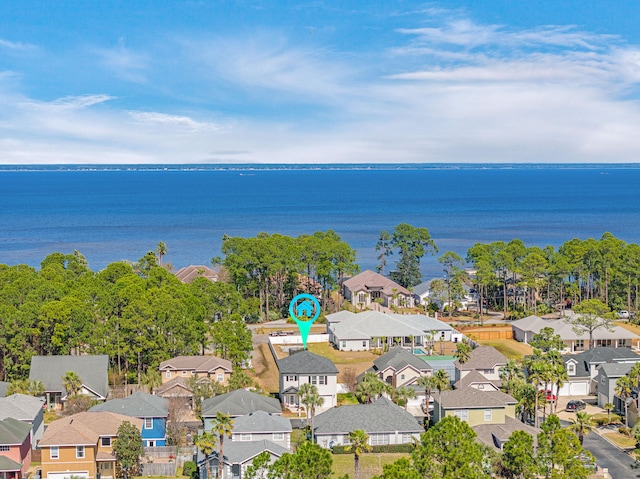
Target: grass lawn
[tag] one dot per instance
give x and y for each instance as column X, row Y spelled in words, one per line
column 266, row 371
column 634, row 328
column 620, row 439
column 511, row 348
column 370, row 464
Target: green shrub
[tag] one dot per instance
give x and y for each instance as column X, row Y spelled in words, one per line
column 397, row 448
column 190, row 469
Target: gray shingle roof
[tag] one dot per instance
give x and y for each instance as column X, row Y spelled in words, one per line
column 137, row 405
column 380, row 416
column 13, row 431
column 616, row 369
column 472, row 398
column 239, row 452
column 489, row 433
column 239, row 403
column 305, row 362
column 565, row 329
column 20, row 406
column 92, row 371
column 261, row 421
column 9, row 465
column 483, row 357
column 398, row 358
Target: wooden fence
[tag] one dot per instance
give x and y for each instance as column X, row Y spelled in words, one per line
column 481, row 335
column 167, row 469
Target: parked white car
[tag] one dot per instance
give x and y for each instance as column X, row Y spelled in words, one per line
column 624, row 314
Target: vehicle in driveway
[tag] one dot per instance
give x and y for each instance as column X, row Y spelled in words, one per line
column 575, row 405
column 624, row 314
column 550, row 396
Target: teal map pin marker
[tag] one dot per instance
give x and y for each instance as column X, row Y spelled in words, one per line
column 304, row 309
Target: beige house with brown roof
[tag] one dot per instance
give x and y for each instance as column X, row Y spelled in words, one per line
column 81, row 445
column 484, row 360
column 210, row 367
column 363, row 289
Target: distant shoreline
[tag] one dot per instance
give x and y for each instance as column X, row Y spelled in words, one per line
column 314, row 166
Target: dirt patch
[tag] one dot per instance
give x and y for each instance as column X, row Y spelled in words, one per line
column 265, row 371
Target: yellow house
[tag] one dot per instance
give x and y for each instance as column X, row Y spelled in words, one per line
column 491, row 414
column 210, row 367
column 475, row 406
column 81, row 445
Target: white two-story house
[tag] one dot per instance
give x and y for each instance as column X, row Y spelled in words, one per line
column 302, row 367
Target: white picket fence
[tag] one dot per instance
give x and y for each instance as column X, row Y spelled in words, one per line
column 297, row 339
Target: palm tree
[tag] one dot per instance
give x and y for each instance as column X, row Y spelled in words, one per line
column 207, row 442
column 608, row 407
column 310, row 398
column 404, row 393
column 152, row 379
column 582, row 425
column 162, row 250
column 463, row 352
column 428, row 383
column 441, row 382
column 222, row 426
column 359, row 444
column 370, row 387
column 72, row 383
column 624, row 386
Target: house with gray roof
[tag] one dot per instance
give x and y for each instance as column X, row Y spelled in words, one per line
column 365, row 288
column 484, row 360
column 239, row 403
column 92, row 371
column 618, row 337
column 260, row 426
column 27, row 409
column 374, row 329
column 302, row 367
column 153, row 410
column 238, row 455
column 492, row 414
column 582, row 368
column 15, row 448
column 607, row 376
column 383, row 421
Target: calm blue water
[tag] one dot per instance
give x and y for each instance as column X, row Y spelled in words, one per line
column 113, row 215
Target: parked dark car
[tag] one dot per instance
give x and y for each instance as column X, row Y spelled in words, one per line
column 575, row 405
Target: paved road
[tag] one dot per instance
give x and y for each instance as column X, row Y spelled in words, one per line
column 609, row 456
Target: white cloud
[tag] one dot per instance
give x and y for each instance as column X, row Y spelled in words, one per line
column 123, row 62
column 18, row 46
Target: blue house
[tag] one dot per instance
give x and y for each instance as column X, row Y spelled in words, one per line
column 153, row 411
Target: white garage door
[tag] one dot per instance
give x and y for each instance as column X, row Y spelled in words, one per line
column 67, row 475
column 579, row 389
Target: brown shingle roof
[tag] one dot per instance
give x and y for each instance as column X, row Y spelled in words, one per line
column 199, row 364
column 370, row 280
column 474, row 377
column 191, row 272
column 482, row 357
column 84, row 428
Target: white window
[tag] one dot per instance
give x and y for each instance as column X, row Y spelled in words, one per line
column 79, row 452
column 151, row 443
column 148, row 423
column 184, row 373
column 5, row 448
column 313, row 379
column 168, row 374
column 487, row 414
column 571, row 369
column 402, row 376
column 220, row 378
column 407, row 438
column 379, row 439
column 462, row 414
column 322, row 379
column 364, row 344
column 291, row 378
column 344, row 344
column 54, row 453
column 278, row 436
column 480, row 386
column 245, row 437
column 105, row 441
column 602, row 379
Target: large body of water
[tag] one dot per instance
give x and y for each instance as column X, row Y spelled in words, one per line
column 109, row 214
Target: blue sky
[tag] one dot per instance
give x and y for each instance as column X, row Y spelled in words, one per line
column 319, row 82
